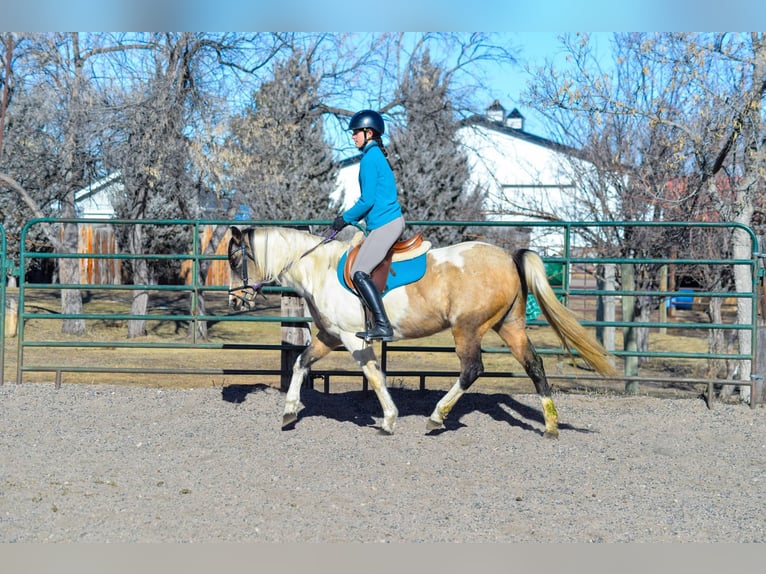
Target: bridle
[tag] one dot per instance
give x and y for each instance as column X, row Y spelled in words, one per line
column 247, row 292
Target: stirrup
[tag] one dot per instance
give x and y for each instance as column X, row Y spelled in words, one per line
column 377, row 333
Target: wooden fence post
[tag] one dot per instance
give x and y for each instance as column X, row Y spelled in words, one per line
column 295, row 337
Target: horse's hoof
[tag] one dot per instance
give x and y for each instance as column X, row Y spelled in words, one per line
column 432, row 425
column 384, row 432
column 288, row 419
column 554, row 435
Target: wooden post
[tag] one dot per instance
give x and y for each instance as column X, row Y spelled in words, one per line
column 295, row 337
column 663, row 300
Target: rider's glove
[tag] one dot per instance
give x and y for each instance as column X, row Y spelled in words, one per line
column 339, row 223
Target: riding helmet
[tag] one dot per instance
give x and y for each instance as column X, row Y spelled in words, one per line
column 367, row 119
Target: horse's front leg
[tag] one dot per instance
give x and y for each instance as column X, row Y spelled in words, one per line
column 320, row 346
column 364, row 355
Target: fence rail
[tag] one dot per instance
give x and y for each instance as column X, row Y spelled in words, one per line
column 572, row 259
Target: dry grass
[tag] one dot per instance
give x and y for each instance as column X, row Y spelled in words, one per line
column 223, row 332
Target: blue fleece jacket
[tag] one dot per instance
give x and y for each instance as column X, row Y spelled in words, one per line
column 378, row 203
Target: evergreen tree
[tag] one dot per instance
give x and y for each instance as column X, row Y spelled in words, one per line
column 431, row 169
column 281, row 166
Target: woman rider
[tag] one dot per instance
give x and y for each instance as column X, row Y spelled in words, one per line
column 378, row 205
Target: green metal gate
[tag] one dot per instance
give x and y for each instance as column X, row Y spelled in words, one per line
column 572, row 258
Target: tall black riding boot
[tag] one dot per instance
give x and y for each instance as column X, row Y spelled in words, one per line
column 371, row 296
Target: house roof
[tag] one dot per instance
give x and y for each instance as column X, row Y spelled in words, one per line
column 111, row 180
column 482, row 121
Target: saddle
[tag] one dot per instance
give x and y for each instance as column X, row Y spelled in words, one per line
column 402, row 250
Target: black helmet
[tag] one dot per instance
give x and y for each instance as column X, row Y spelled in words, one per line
column 367, row 119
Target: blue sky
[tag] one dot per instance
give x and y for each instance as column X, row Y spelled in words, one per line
column 388, row 15
column 535, row 48
column 509, row 82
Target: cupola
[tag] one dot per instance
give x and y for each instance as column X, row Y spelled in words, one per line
column 515, row 120
column 496, row 112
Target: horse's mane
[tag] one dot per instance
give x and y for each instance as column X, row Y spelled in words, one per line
column 280, row 247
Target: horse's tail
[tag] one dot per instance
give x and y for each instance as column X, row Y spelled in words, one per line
column 562, row 320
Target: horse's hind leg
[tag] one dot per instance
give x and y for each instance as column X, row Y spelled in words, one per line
column 468, row 349
column 320, row 346
column 518, row 342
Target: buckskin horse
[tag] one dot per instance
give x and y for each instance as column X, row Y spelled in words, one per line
column 468, row 287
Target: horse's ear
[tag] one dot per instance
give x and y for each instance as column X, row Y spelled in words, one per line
column 236, row 234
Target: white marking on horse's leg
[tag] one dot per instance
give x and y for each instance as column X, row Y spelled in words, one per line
column 293, row 397
column 377, row 380
column 364, row 355
column 321, row 345
column 551, row 418
column 444, row 406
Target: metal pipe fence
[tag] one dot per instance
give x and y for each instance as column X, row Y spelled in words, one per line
column 575, row 274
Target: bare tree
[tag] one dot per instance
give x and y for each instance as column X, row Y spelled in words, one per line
column 52, row 127
column 161, row 135
column 149, row 150
column 699, row 98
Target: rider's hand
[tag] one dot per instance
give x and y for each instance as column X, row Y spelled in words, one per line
column 339, row 223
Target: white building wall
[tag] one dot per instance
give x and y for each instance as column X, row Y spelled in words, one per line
column 519, row 175
column 94, row 201
column 347, row 188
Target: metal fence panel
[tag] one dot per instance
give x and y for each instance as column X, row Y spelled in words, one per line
column 565, row 268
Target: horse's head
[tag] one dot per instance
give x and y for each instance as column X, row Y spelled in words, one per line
column 243, row 271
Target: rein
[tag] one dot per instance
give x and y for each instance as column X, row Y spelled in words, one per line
column 250, row 292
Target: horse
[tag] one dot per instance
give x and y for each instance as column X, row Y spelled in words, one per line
column 468, row 287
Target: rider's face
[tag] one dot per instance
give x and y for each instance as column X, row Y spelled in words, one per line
column 358, row 137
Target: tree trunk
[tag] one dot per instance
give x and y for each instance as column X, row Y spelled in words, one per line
column 716, row 342
column 643, row 315
column 743, row 281
column 629, row 333
column 198, row 329
column 69, row 273
column 605, row 307
column 139, row 304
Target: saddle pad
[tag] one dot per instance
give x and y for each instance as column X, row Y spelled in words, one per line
column 401, row 272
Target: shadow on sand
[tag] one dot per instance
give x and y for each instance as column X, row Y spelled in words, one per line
column 361, row 408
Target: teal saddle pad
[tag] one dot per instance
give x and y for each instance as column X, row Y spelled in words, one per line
column 401, row 272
